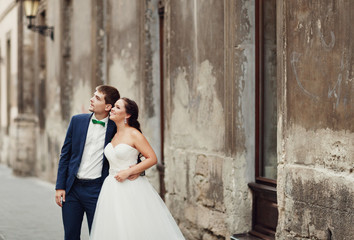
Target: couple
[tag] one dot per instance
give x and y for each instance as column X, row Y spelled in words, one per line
column 98, row 166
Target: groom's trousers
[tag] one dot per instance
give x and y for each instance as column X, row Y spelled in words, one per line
column 82, row 198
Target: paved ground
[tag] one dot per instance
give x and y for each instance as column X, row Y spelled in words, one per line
column 28, row 210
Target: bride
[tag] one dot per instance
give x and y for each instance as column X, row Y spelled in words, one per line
column 130, row 210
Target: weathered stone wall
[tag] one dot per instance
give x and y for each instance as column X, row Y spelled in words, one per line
column 93, row 46
column 209, row 105
column 315, row 170
column 63, row 80
column 52, row 126
column 133, row 63
column 209, row 116
column 17, row 89
column 8, row 75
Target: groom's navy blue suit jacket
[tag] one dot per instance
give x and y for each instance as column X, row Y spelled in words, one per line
column 73, row 147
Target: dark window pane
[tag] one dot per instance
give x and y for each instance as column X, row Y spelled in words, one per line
column 269, row 90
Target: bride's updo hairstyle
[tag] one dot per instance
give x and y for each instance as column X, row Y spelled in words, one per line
column 132, row 108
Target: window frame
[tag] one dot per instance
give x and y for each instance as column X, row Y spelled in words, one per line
column 259, row 77
column 264, row 193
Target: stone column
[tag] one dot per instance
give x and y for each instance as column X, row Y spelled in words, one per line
column 23, row 132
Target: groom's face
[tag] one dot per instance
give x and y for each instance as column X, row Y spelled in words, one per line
column 98, row 103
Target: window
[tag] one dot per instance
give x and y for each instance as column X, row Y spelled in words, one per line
column 266, row 95
column 265, row 212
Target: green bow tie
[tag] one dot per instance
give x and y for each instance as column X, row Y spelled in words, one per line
column 94, row 121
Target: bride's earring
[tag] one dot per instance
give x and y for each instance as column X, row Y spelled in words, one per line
column 125, row 121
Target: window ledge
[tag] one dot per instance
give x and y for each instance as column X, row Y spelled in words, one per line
column 244, row 237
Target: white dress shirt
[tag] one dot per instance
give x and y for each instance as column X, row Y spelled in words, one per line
column 92, row 157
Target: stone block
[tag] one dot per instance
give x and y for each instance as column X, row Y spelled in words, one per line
column 317, row 204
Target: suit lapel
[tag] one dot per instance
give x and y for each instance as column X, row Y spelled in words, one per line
column 84, row 129
column 111, row 129
column 109, row 132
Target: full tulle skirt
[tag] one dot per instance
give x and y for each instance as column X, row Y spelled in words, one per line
column 132, row 210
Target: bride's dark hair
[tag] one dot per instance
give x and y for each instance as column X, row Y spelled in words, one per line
column 132, row 109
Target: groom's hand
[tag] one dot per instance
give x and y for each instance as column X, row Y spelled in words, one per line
column 60, row 197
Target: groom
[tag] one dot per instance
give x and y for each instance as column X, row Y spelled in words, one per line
column 82, row 165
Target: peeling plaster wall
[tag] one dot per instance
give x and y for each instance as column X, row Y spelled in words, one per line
column 315, row 170
column 8, row 30
column 208, row 151
column 150, row 110
column 74, row 66
column 133, row 64
column 209, row 104
column 51, row 133
column 16, row 91
column 319, row 36
column 50, row 136
column 315, row 185
column 81, row 55
column 123, row 47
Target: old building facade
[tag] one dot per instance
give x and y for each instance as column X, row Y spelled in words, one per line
column 247, row 103
column 8, row 70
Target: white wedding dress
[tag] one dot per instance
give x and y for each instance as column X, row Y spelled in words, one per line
column 130, row 210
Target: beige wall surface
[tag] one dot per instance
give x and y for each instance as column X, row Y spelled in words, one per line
column 209, row 155
column 208, row 96
column 8, row 74
column 315, row 171
column 8, row 32
column 91, row 46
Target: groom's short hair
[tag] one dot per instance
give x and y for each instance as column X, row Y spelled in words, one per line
column 111, row 94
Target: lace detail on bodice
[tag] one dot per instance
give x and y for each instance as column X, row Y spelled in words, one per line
column 120, row 157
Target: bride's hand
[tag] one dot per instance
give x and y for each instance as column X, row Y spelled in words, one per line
column 122, row 175
column 133, row 176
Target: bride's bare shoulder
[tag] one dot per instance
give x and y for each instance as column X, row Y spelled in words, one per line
column 135, row 133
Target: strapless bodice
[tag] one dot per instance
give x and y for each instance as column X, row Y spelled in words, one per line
column 122, row 206
column 120, row 157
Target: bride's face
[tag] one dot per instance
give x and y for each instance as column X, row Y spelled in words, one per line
column 118, row 112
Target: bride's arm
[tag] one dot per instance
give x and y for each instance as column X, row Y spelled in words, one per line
column 143, row 146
